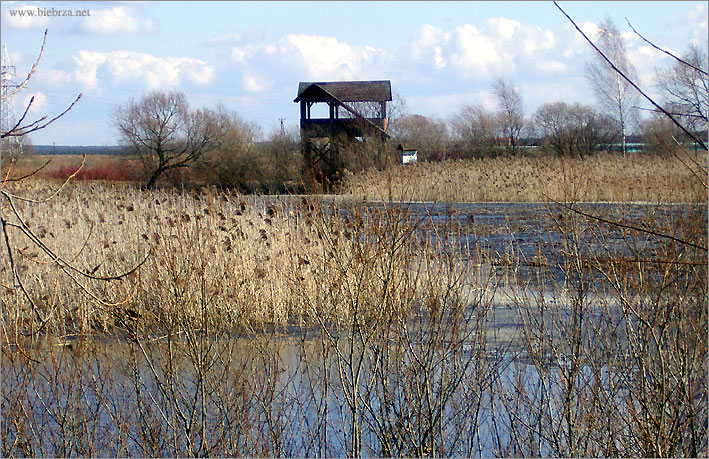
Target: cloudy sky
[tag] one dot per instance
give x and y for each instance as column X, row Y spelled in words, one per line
column 250, row 56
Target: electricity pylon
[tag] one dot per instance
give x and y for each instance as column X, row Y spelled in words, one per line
column 7, row 116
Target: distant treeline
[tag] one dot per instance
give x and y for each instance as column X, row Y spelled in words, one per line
column 79, row 150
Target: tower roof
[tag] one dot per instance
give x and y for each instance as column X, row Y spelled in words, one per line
column 345, row 91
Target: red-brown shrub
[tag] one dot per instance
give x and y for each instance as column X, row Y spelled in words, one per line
column 107, row 171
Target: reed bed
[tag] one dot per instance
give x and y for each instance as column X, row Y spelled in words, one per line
column 203, row 250
column 208, row 256
column 305, row 326
column 600, row 178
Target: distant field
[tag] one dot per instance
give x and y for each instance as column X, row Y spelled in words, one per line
column 79, row 150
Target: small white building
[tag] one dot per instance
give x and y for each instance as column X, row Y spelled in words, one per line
column 408, row 155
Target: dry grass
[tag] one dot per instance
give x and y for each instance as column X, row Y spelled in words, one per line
column 213, row 256
column 204, row 354
column 105, row 229
column 601, row 178
column 202, row 324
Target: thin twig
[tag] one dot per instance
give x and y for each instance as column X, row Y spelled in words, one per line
column 672, row 150
column 24, row 115
column 664, row 51
column 686, row 115
column 648, row 98
column 17, row 179
column 626, row 226
column 10, row 196
column 35, row 126
column 32, row 70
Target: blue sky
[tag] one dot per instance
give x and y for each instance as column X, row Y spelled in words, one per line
column 250, row 56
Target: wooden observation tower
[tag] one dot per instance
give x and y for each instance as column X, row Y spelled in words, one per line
column 355, row 110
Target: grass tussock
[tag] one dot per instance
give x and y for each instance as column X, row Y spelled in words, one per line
column 600, row 178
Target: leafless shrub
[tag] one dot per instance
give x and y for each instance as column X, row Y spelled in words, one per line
column 573, row 129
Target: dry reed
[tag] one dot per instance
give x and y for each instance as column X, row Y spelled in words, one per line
column 601, row 178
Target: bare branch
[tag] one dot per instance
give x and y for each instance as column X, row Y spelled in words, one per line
column 54, row 193
column 24, row 115
column 630, row 227
column 35, row 126
column 32, row 70
column 64, row 264
column 7, row 178
column 648, row 98
column 665, row 51
column 686, row 115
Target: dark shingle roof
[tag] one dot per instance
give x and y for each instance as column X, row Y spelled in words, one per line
column 345, row 91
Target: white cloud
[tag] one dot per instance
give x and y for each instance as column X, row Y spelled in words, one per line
column 117, row 20
column 154, row 72
column 241, row 54
column 552, row 66
column 38, row 104
column 316, row 57
column 254, row 84
column 428, row 44
column 536, row 40
column 25, row 17
column 629, row 36
column 591, row 30
column 576, row 44
column 646, row 61
column 503, row 28
column 327, row 58
column 475, row 52
column 698, row 14
column 500, row 46
column 438, row 60
column 52, row 76
column 427, row 38
column 698, row 18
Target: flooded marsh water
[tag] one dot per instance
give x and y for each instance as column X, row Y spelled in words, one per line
column 523, row 345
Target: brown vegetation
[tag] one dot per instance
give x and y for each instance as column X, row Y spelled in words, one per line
column 298, row 327
column 601, row 178
column 205, row 323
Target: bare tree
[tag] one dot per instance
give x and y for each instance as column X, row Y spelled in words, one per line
column 428, row 136
column 17, row 230
column 571, row 130
column 615, row 95
column 511, row 111
column 474, row 130
column 685, row 89
column 166, row 133
column 235, row 161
